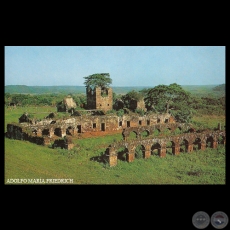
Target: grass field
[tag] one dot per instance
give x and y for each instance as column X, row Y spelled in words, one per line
column 24, row 160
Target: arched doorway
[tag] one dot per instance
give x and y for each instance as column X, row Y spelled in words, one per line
column 69, row 130
column 57, row 132
column 132, row 135
column 45, row 132
column 156, row 149
column 139, row 152
column 221, row 140
column 167, row 131
column 122, row 153
column 209, row 142
column 145, row 133
column 197, row 144
column 177, row 131
column 184, row 146
column 170, row 148
column 156, row 132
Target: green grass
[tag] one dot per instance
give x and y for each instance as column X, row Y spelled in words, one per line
column 12, row 114
column 204, row 90
column 25, row 160
column 208, row 121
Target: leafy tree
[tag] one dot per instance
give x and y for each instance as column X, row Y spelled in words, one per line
column 171, row 99
column 133, row 95
column 102, row 80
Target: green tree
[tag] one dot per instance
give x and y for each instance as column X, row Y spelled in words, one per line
column 172, row 98
column 102, row 80
column 132, row 95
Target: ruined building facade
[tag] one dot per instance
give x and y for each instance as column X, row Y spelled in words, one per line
column 99, row 98
column 42, row 132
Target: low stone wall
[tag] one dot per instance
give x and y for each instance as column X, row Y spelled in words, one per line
column 19, row 133
column 63, row 143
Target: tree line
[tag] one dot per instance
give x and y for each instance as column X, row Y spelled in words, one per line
column 171, row 99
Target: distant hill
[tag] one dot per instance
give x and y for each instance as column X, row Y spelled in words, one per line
column 23, row 89
column 198, row 90
column 219, row 88
column 43, row 89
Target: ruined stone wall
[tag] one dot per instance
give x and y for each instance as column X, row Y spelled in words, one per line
column 97, row 123
column 186, row 140
column 42, row 132
column 20, row 133
column 136, row 120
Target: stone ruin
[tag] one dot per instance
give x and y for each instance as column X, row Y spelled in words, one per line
column 50, row 128
column 60, row 131
column 99, row 98
column 67, row 105
column 188, row 139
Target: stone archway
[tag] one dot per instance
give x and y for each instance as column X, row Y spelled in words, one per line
column 177, row 130
column 122, row 153
column 45, row 132
column 167, row 131
column 133, row 135
column 197, row 144
column 139, row 151
column 184, row 145
column 145, row 133
column 170, row 148
column 209, row 142
column 156, row 132
column 156, row 149
column 57, row 132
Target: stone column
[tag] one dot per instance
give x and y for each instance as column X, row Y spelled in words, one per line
column 51, row 132
column 147, row 151
column 190, row 147
column 176, row 150
column 124, row 137
column 131, row 156
column 46, row 141
column 112, row 157
column 163, row 151
column 39, row 132
column 63, row 132
column 203, row 145
column 74, row 132
column 214, row 144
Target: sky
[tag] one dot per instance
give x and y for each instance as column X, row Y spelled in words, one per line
column 127, row 65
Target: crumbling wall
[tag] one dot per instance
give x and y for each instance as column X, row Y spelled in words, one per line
column 97, row 123
column 67, row 105
column 65, row 143
column 21, row 133
column 186, row 140
column 101, row 99
column 135, row 120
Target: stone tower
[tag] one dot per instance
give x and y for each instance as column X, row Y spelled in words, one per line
column 99, row 98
